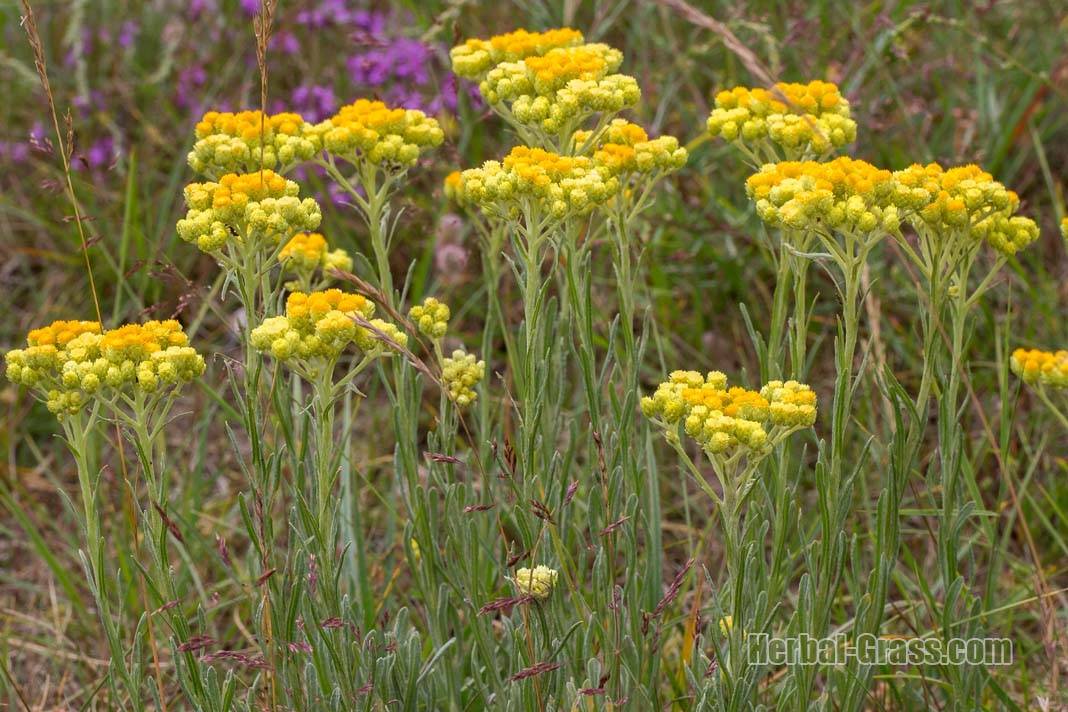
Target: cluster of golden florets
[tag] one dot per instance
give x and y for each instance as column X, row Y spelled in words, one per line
column 965, row 200
column 561, row 87
column 261, row 207
column 246, row 141
column 537, row 582
column 69, row 362
column 367, row 130
column 307, row 252
column 844, row 194
column 624, row 148
column 319, row 326
column 475, row 57
column 722, row 418
column 851, row 195
column 1047, row 368
column 431, row 317
column 555, row 184
column 546, row 80
column 460, row 373
column 799, row 119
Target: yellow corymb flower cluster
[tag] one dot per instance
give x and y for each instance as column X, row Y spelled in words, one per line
column 558, row 185
column 1048, row 368
column 308, row 251
column 317, row 327
column 722, row 418
column 367, row 130
column 246, row 141
column 844, row 194
column 1064, row 228
column 453, row 187
column 790, row 403
column 562, row 86
column 255, row 207
column 431, row 317
column 475, row 57
column 964, row 200
column 537, row 582
column 460, row 373
column 69, row 362
column 626, row 149
column 813, row 120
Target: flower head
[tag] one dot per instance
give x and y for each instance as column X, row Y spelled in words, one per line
column 318, row 326
column 1047, row 368
column 460, row 373
column 453, row 187
column 725, row 419
column 69, row 363
column 250, row 210
column 532, row 177
column 801, row 120
column 475, row 57
column 307, row 252
column 790, row 403
column 625, row 149
column 559, row 89
column 537, row 582
column 431, row 317
column 60, row 333
column 370, row 131
column 246, row 141
column 964, row 201
column 844, row 194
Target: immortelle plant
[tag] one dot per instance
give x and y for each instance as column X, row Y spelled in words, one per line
column 315, row 597
column 838, row 213
column 582, row 178
column 130, row 376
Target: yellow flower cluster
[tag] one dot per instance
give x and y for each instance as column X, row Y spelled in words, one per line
column 722, row 418
column 965, row 200
column 790, row 403
column 246, row 141
column 318, row 326
column 558, row 185
column 473, row 58
column 431, row 317
column 1064, row 228
column 537, row 582
column 157, row 351
column 813, row 120
column 453, row 187
column 562, row 86
column 625, row 148
column 460, row 373
column 69, row 362
column 844, row 194
column 1048, row 368
column 261, row 207
column 308, row 251
column 367, row 130
column 41, row 364
column 60, row 333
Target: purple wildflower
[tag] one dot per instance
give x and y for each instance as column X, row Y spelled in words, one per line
column 314, row 102
column 286, row 42
column 402, row 59
column 128, row 33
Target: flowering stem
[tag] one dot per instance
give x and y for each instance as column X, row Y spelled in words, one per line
column 145, row 422
column 77, row 428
